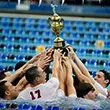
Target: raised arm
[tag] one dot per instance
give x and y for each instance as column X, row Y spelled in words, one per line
column 56, row 58
column 80, row 65
column 69, row 81
column 42, row 60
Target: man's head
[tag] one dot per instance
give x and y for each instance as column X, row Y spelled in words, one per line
column 7, row 91
column 35, row 75
column 103, row 78
column 19, row 65
column 86, row 90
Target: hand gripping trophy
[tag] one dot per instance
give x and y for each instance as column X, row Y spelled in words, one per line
column 56, row 24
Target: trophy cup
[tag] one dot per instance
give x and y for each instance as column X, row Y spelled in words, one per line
column 56, row 24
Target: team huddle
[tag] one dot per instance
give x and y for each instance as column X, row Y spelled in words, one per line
column 69, row 77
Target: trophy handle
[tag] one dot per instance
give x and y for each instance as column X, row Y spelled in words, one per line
column 61, row 22
column 49, row 21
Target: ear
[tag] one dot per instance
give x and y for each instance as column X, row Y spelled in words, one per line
column 37, row 79
column 106, row 81
column 7, row 92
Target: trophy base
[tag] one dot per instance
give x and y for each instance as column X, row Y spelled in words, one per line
column 59, row 43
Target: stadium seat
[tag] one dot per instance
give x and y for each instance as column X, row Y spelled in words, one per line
column 91, row 62
column 26, row 106
column 39, row 107
column 79, row 108
column 20, row 57
column 2, row 106
column 53, row 108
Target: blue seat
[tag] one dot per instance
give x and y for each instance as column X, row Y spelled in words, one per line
column 84, row 42
column 93, row 74
column 29, row 26
column 91, row 62
column 6, row 31
column 81, row 51
column 103, row 24
column 97, row 52
column 10, row 47
column 39, row 40
column 106, row 30
column 39, row 107
column 20, row 106
column 77, row 23
column 107, row 44
column 88, row 35
column 5, row 19
column 4, row 25
column 90, row 23
column 68, row 28
column 19, row 32
column 69, row 41
column 33, row 32
column 16, row 19
column 93, row 29
column 42, row 26
column 10, row 38
column 29, row 21
column 1, row 69
column 53, row 108
column 2, row 106
column 25, row 48
column 3, row 56
column 26, row 107
column 79, row 108
column 102, row 36
column 34, row 107
column 107, row 63
column 24, row 39
column 80, row 28
column 42, row 21
column 66, row 22
column 20, row 57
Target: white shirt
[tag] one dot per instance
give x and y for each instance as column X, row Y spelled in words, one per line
column 101, row 89
column 46, row 91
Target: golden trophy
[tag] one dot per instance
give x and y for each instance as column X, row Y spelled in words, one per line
column 56, row 24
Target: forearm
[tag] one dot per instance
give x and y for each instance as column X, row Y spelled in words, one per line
column 55, row 68
column 21, row 84
column 82, row 68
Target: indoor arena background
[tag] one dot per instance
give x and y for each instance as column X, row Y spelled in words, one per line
column 24, row 30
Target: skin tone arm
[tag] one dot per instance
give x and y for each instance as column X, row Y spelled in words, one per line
column 83, row 77
column 62, row 75
column 40, row 58
column 69, row 81
column 22, row 84
column 55, row 68
column 80, row 65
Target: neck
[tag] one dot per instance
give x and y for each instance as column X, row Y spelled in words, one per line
column 7, row 98
column 33, row 85
column 104, row 86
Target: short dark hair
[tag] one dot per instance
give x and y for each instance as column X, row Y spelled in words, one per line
column 83, row 89
column 2, row 74
column 3, row 88
column 19, row 65
column 106, row 76
column 31, row 74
